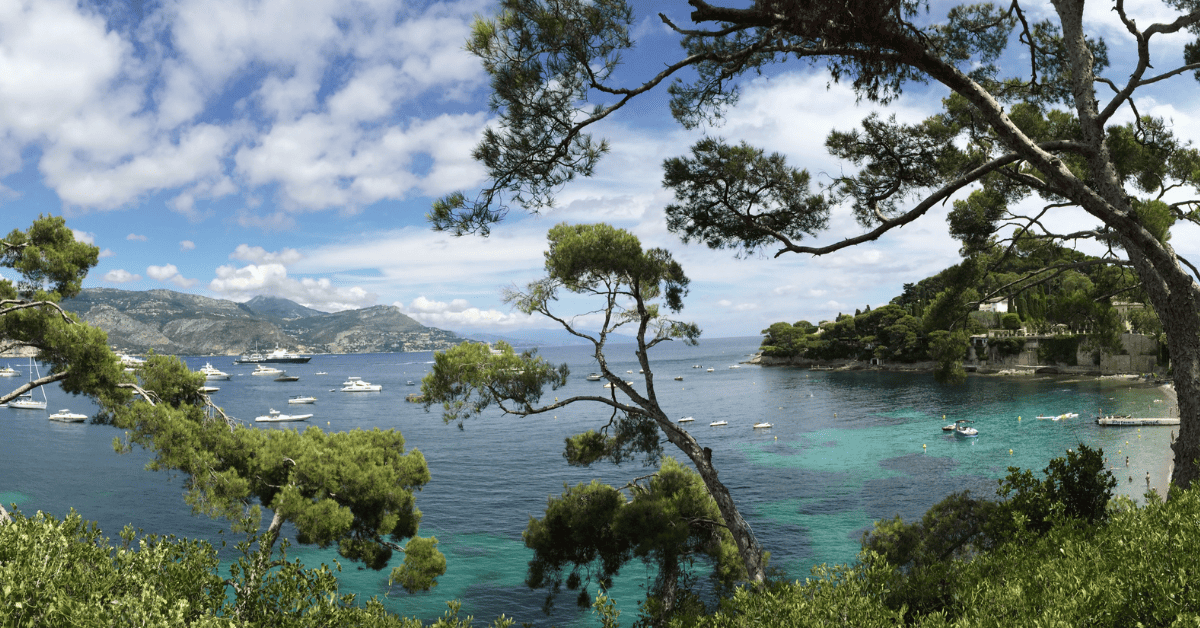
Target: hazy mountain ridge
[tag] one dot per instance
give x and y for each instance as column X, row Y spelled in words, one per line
column 174, row 322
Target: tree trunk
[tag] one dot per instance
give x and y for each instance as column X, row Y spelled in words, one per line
column 747, row 544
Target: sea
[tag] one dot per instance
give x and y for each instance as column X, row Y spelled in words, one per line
column 846, row 449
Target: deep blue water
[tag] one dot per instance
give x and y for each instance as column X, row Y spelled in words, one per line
column 846, row 449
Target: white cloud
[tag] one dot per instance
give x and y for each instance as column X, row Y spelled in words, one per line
column 186, row 245
column 169, row 273
column 120, row 276
column 458, row 314
column 106, row 253
column 134, row 236
column 83, row 236
column 272, row 279
column 259, row 255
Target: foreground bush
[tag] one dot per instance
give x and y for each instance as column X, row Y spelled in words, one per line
column 65, row 573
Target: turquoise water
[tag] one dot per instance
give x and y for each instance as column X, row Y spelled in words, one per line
column 846, row 449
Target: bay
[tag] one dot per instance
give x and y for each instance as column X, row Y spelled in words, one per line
column 846, row 449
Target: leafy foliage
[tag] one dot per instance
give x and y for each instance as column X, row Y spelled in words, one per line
column 351, row 489
column 591, row 531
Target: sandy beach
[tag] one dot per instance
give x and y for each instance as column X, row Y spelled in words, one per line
column 1148, row 450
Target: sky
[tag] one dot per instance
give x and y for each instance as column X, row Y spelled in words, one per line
column 291, row 148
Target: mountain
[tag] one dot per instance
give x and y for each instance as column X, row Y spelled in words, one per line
column 173, row 322
column 282, row 309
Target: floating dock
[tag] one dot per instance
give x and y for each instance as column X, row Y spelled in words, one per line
column 1122, row 421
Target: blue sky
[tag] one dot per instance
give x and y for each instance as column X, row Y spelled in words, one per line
column 291, row 148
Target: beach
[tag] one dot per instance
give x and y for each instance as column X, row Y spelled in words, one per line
column 1148, row 449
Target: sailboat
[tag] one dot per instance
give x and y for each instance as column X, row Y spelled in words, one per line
column 26, row 401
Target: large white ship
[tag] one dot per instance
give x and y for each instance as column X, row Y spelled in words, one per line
column 278, row 356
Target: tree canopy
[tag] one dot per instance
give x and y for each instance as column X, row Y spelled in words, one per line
column 1028, row 129
column 633, row 289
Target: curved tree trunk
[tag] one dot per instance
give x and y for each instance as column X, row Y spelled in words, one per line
column 747, row 544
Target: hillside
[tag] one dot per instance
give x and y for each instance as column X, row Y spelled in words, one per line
column 173, row 322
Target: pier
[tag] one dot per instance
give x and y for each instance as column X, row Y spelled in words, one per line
column 1122, row 421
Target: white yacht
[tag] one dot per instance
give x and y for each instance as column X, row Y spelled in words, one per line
column 212, row 373
column 278, row 356
column 66, row 416
column 356, row 384
column 302, row 399
column 9, row 371
column 27, row 402
column 267, row 370
column 274, row 416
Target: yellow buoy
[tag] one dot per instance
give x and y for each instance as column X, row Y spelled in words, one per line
column 924, row 446
column 1010, row 452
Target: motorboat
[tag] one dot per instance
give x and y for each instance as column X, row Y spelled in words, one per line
column 320, row 373
column 710, row 370
column 410, row 383
column 763, row 425
column 687, row 419
column 287, row 378
column 961, row 430
column 278, row 356
column 212, row 373
column 718, row 423
column 735, row 366
column 274, row 416
column 267, row 370
column 593, row 377
column 9, row 371
column 66, row 416
column 695, row 366
column 27, row 402
column 679, row 378
column 356, row 384
column 208, row 390
column 302, row 399
column 609, row 385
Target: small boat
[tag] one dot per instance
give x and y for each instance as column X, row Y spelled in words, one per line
column 641, row 371
column 687, row 419
column 629, row 371
column 212, row 373
column 287, row 378
column 735, row 366
column 679, row 378
column 762, row 426
column 710, row 369
column 695, row 366
column 266, row 370
column 718, row 423
column 409, row 383
column 593, row 377
column 9, row 371
column 1047, row 416
column 274, row 416
column 27, row 402
column 320, row 373
column 66, row 416
column 609, row 385
column 208, row 390
column 302, row 399
column 356, row 384
column 961, row 430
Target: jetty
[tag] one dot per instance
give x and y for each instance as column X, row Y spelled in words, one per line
column 1124, row 421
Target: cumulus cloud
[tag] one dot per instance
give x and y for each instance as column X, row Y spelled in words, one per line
column 83, row 236
column 120, row 276
column 134, row 236
column 458, row 314
column 272, row 279
column 106, row 253
column 169, row 273
column 186, row 245
column 259, row 255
